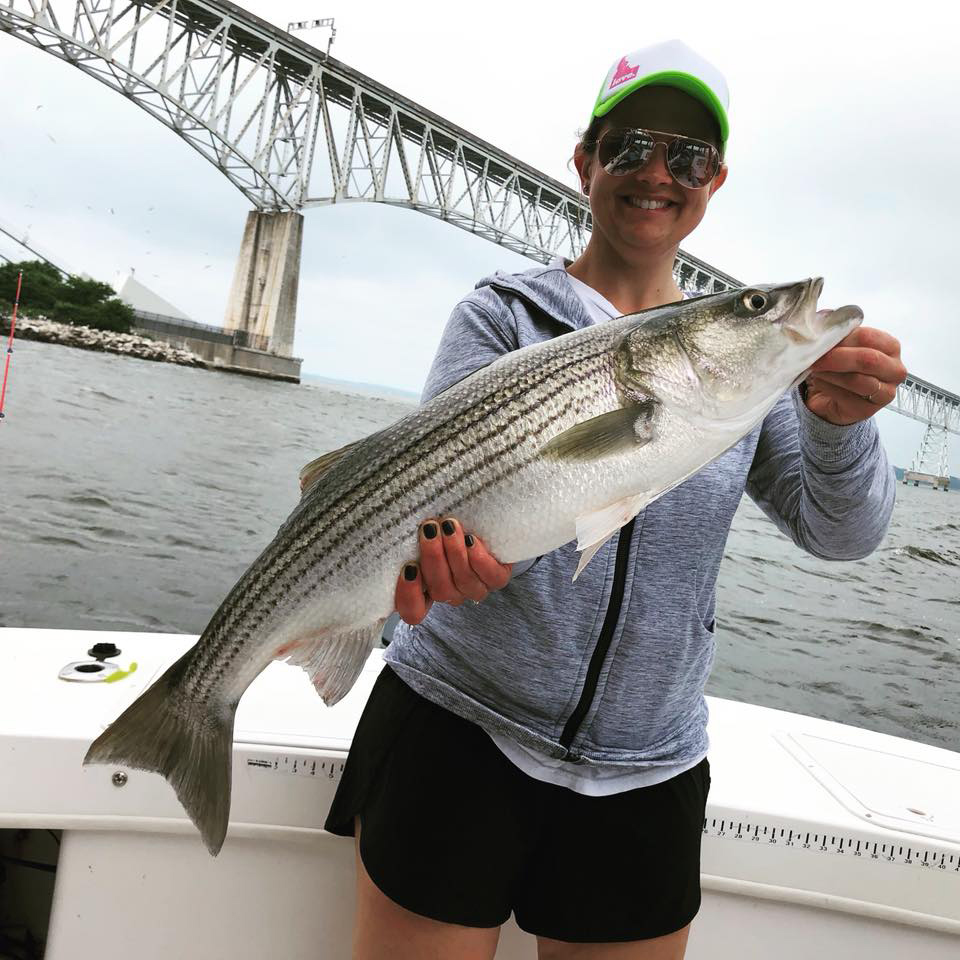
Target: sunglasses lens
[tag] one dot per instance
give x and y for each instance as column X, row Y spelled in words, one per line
column 693, row 163
column 623, row 151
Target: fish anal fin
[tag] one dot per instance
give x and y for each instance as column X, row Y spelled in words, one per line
column 596, row 528
column 315, row 469
column 333, row 660
column 619, row 430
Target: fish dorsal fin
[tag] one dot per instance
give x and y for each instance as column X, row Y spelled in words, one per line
column 315, row 469
column 624, row 429
column 595, row 529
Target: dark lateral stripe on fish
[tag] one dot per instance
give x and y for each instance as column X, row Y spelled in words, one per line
column 417, row 457
column 491, row 458
column 576, row 370
column 474, row 468
column 414, row 457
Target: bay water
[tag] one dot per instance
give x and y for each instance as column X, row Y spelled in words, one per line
column 135, row 494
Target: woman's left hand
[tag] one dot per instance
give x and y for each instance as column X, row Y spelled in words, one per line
column 855, row 379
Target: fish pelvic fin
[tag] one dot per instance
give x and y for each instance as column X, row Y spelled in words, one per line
column 164, row 732
column 626, row 428
column 333, row 660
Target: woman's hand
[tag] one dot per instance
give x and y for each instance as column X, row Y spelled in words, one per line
column 855, row 379
column 452, row 568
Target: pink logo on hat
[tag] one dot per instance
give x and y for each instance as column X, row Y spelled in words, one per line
column 623, row 73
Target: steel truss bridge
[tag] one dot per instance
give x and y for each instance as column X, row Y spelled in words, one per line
column 940, row 411
column 293, row 128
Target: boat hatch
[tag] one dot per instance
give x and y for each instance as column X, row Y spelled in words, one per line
column 883, row 787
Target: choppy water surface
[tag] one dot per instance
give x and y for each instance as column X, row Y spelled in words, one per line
column 135, row 494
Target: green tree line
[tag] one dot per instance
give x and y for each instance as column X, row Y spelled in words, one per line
column 46, row 292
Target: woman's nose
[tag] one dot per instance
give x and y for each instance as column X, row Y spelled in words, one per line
column 655, row 170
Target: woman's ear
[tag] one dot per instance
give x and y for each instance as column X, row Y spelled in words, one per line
column 583, row 162
column 718, row 180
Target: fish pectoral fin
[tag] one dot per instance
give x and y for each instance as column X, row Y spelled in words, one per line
column 595, row 529
column 624, row 429
column 332, row 660
column 315, row 469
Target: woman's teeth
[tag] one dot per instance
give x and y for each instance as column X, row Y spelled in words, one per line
column 648, row 204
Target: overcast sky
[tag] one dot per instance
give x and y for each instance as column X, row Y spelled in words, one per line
column 843, row 156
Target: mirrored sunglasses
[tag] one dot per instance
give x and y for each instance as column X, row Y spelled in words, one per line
column 692, row 163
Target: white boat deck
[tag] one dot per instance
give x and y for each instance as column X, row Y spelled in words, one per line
column 805, row 816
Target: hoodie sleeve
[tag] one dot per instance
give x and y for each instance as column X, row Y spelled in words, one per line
column 829, row 488
column 472, row 338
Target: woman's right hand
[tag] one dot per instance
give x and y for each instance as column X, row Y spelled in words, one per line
column 453, row 567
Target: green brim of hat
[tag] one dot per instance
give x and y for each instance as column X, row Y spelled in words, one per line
column 671, row 78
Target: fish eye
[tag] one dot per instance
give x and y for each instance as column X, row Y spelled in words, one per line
column 754, row 301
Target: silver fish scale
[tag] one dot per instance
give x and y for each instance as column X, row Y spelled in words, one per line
column 477, row 434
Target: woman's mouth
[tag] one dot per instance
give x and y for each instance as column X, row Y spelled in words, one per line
column 645, row 203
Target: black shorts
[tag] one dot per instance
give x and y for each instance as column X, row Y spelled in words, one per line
column 451, row 829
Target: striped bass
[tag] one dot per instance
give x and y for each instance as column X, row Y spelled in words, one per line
column 561, row 440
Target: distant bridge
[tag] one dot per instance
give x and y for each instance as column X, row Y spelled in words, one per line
column 939, row 409
column 22, row 238
column 293, row 128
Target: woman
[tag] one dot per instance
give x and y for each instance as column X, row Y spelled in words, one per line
column 546, row 753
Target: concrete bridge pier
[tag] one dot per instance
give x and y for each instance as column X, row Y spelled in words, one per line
column 262, row 309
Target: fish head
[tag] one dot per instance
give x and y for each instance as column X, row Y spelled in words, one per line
column 729, row 356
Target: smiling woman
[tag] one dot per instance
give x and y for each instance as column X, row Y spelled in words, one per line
column 645, row 205
column 564, row 727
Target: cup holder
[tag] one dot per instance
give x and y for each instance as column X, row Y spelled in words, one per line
column 87, row 671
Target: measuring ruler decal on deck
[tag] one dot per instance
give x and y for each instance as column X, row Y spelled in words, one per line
column 326, row 768
column 831, row 842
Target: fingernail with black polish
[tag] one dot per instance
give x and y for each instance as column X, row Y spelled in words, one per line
column 429, row 530
column 448, row 528
column 410, row 572
column 468, row 539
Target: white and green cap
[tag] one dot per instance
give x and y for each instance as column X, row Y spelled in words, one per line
column 671, row 64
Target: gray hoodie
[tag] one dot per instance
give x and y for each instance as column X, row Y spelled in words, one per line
column 611, row 669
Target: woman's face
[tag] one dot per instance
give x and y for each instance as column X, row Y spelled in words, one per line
column 631, row 230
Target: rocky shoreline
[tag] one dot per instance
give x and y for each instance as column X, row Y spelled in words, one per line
column 88, row 338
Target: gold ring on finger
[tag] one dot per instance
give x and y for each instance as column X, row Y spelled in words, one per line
column 875, row 392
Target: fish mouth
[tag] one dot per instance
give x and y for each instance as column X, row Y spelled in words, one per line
column 804, row 324
column 833, row 318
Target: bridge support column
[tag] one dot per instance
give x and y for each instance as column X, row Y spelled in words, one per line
column 263, row 299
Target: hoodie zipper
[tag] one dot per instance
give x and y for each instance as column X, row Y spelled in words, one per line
column 603, row 642
column 619, row 580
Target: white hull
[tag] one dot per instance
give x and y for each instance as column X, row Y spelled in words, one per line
column 878, row 876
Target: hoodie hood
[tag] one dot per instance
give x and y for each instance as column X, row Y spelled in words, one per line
column 547, row 287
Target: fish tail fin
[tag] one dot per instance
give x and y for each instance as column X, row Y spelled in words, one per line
column 165, row 732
